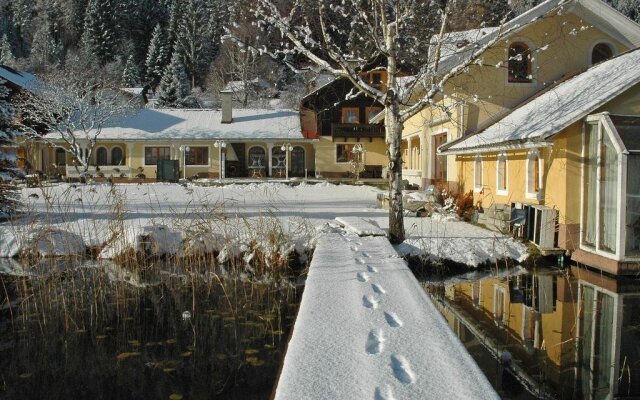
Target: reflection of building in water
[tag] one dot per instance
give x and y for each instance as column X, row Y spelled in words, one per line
column 608, row 358
column 536, row 318
column 531, row 316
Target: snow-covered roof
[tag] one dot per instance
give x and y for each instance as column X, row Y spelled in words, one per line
column 595, row 12
column 239, row 86
column 453, row 42
column 21, row 79
column 167, row 124
column 555, row 109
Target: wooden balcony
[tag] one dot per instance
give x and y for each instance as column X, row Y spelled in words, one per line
column 357, row 130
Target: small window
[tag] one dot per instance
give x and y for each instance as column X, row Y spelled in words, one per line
column 101, row 156
column 601, row 52
column 117, row 156
column 534, row 177
column 61, row 157
column 372, row 112
column 344, row 153
column 350, row 115
column 519, row 63
column 502, row 174
column 439, row 161
column 154, row 154
column 198, row 156
column 256, row 157
column 375, row 79
column 477, row 174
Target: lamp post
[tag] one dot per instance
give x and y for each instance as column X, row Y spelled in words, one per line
column 184, row 149
column 287, row 149
column 220, row 144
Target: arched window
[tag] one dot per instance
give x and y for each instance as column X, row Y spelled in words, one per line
column 534, row 174
column 117, row 157
column 601, row 52
column 502, row 174
column 101, row 156
column 477, row 174
column 61, row 157
column 519, row 63
column 256, row 157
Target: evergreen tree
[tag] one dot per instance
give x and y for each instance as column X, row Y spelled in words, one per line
column 630, row 8
column 173, row 86
column 100, row 38
column 157, row 57
column 8, row 192
column 196, row 38
column 130, row 75
column 6, row 55
column 45, row 49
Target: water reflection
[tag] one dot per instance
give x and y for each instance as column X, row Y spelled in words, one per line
column 549, row 333
column 95, row 330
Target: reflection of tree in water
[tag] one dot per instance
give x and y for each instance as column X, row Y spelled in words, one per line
column 78, row 334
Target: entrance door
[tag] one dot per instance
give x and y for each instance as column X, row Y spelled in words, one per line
column 297, row 161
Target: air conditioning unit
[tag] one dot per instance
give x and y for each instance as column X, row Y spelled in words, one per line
column 541, row 226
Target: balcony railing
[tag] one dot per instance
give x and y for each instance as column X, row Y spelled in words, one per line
column 357, row 130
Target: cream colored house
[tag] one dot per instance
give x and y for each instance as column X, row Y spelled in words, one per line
column 252, row 143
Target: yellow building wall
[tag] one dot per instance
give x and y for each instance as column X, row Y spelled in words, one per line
column 560, row 46
column 325, row 148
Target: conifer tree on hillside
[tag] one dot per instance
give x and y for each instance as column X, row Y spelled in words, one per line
column 196, row 38
column 130, row 75
column 99, row 36
column 8, row 192
column 157, row 57
column 44, row 48
column 630, row 8
column 6, row 54
column 173, row 86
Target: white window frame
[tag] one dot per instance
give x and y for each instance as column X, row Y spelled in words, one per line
column 478, row 160
column 534, row 50
column 502, row 157
column 497, row 290
column 605, row 126
column 530, row 193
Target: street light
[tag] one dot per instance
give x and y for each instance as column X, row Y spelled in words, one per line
column 184, row 149
column 287, row 149
column 220, row 144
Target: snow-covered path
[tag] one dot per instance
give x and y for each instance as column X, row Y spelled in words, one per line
column 366, row 329
column 244, row 212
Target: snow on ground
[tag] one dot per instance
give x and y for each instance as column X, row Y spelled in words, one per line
column 366, row 329
column 274, row 215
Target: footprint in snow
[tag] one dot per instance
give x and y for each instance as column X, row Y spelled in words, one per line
column 370, row 302
column 360, row 260
column 372, row 269
column 392, row 319
column 383, row 394
column 354, row 248
column 365, row 254
column 362, row 277
column 378, row 288
column 402, row 369
column 375, row 342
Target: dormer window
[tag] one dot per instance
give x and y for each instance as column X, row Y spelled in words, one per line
column 519, row 63
column 601, row 52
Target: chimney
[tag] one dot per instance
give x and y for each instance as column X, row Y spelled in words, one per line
column 227, row 108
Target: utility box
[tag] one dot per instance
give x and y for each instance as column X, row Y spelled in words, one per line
column 168, row 170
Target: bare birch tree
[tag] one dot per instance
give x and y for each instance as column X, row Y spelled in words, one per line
column 342, row 38
column 72, row 113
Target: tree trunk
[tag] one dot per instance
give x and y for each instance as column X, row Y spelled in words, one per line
column 393, row 128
